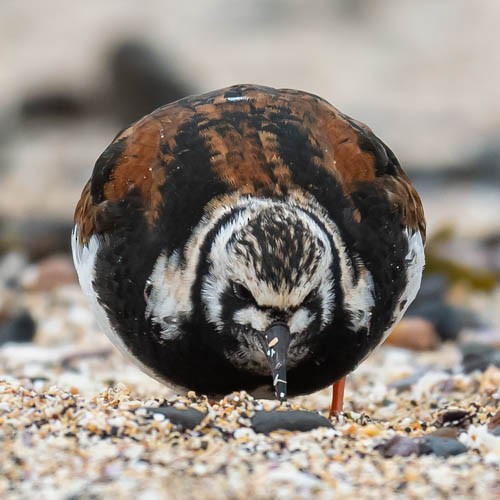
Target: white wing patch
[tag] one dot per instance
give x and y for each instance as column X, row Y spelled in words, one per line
column 415, row 262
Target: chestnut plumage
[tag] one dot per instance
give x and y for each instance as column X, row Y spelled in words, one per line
column 249, row 238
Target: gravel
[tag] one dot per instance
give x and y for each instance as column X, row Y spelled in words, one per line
column 78, row 421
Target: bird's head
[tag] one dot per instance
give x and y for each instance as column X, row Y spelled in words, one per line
column 269, row 284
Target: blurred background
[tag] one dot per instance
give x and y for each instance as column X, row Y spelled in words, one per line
column 424, row 75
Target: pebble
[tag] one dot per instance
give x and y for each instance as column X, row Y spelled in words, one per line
column 51, row 394
column 52, row 105
column 448, row 321
column 417, row 334
column 21, row 328
column 440, row 446
column 453, row 417
column 398, row 446
column 289, row 420
column 185, row 419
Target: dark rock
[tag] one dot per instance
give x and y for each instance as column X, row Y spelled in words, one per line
column 398, row 446
column 141, row 81
column 292, row 420
column 440, row 446
column 447, row 320
column 187, row 419
column 479, row 356
column 430, row 304
column 453, row 418
column 52, row 105
column 21, row 328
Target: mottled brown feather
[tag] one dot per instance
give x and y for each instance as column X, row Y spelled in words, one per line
column 247, row 159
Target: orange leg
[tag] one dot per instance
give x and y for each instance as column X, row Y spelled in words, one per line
column 337, row 397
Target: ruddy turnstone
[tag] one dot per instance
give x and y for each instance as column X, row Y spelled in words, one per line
column 249, row 239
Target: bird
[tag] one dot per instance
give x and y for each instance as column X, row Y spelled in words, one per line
column 249, row 238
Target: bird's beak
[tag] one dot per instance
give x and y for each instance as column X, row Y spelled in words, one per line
column 277, row 340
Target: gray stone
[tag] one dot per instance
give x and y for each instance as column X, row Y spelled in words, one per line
column 398, row 446
column 187, row 419
column 292, row 420
column 440, row 446
column 20, row 328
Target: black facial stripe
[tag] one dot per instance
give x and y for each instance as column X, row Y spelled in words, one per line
column 203, row 266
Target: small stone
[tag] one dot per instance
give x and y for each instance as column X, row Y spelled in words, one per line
column 416, row 334
column 398, row 446
column 453, row 417
column 440, row 446
column 292, row 420
column 187, row 419
column 448, row 321
column 21, row 328
column 52, row 105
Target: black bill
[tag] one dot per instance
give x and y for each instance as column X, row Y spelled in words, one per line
column 277, row 340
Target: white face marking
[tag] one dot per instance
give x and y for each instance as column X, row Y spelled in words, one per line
column 253, row 317
column 228, row 264
column 300, row 320
column 260, row 321
column 171, row 281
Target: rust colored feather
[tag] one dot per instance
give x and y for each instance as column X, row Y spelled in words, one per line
column 241, row 136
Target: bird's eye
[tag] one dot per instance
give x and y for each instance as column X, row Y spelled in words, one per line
column 311, row 297
column 242, row 292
